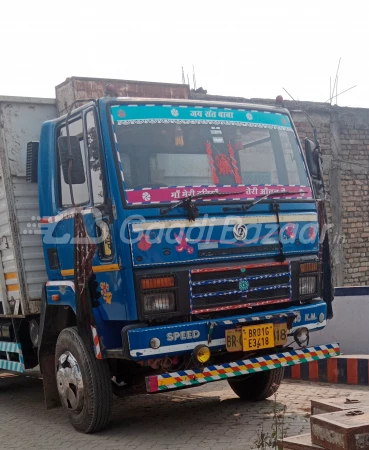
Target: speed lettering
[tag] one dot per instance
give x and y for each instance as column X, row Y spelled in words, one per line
column 183, row 335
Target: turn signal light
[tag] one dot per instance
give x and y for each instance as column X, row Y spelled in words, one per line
column 309, row 267
column 158, row 282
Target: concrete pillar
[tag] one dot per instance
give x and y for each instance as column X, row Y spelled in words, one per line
column 336, row 232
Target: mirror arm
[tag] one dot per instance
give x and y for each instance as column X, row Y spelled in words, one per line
column 70, row 160
column 108, row 210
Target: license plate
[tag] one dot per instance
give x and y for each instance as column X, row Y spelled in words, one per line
column 280, row 334
column 233, row 339
column 255, row 337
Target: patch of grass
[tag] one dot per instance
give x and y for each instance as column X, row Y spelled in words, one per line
column 266, row 441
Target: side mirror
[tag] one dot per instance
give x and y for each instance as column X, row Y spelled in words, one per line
column 314, row 166
column 312, row 158
column 78, row 171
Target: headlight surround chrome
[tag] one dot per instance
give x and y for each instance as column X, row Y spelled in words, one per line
column 158, row 295
column 309, row 276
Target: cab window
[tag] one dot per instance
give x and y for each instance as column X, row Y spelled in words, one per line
column 94, row 158
column 91, row 191
column 80, row 191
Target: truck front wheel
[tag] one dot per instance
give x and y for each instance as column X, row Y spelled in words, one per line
column 257, row 386
column 84, row 383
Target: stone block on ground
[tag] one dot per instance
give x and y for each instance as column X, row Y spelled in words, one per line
column 302, row 442
column 328, row 405
column 343, row 430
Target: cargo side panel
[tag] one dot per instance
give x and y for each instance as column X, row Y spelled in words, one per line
column 27, row 212
column 21, row 123
column 10, row 296
column 9, row 287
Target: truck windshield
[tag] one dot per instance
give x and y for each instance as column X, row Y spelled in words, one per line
column 168, row 153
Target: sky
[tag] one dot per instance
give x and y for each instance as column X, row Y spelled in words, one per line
column 241, row 48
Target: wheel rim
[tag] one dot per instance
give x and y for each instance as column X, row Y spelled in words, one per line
column 70, row 382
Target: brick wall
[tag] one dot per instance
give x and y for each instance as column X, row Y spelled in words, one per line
column 353, row 164
column 344, row 137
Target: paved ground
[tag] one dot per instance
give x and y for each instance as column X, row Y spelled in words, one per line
column 208, row 417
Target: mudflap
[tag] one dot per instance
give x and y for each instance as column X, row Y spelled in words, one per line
column 46, row 352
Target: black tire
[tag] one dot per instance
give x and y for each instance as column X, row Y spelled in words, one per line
column 94, row 410
column 257, row 386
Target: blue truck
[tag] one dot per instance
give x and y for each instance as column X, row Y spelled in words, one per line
column 150, row 245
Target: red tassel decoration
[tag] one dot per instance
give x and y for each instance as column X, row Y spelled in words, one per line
column 179, row 137
column 209, row 151
column 223, row 163
column 237, row 177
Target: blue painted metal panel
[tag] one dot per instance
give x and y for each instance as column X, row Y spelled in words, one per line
column 124, row 114
column 184, row 337
column 175, row 241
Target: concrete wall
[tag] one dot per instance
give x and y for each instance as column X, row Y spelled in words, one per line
column 349, row 325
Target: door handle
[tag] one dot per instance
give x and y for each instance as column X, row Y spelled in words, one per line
column 105, row 246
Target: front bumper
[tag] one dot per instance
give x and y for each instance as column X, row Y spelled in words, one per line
column 196, row 377
column 181, row 338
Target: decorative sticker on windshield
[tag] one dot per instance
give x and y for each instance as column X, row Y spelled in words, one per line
column 176, row 193
column 136, row 114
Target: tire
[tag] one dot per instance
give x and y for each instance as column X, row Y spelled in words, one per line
column 257, row 386
column 84, row 383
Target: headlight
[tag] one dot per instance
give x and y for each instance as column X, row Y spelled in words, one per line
column 158, row 294
column 160, row 302
column 308, row 286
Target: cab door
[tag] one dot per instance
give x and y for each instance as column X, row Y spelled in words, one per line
column 92, row 194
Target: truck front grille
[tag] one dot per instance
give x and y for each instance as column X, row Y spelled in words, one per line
column 241, row 286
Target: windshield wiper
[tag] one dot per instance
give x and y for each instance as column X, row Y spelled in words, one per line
column 264, row 197
column 275, row 210
column 190, row 207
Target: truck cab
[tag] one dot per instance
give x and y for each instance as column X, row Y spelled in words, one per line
column 206, row 251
